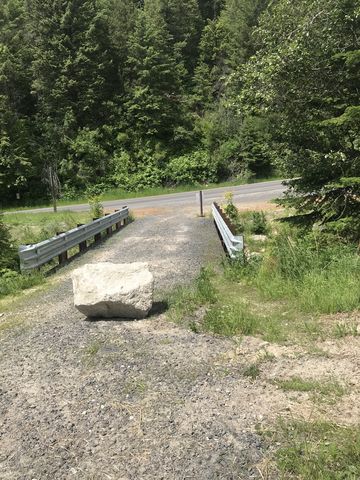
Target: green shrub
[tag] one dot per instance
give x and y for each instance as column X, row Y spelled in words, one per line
column 96, row 207
column 232, row 212
column 195, row 168
column 13, row 282
column 259, row 225
column 7, row 250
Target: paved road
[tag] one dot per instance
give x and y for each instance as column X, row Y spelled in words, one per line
column 255, row 192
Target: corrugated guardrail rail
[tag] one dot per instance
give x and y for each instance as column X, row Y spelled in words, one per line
column 33, row 256
column 234, row 244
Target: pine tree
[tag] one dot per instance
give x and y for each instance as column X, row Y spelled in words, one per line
column 155, row 90
column 183, row 21
column 74, row 80
column 16, row 104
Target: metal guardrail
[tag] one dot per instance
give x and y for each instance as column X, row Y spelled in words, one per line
column 234, row 244
column 33, row 256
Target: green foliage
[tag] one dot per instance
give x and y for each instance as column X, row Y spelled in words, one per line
column 308, row 80
column 138, row 95
column 7, row 252
column 230, row 209
column 318, row 451
column 93, row 194
column 196, row 168
column 259, row 225
column 317, row 272
column 12, row 282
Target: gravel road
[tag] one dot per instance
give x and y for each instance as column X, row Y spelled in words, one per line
column 120, row 400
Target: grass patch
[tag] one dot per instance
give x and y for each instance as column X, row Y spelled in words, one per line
column 279, row 294
column 322, row 389
column 6, row 325
column 12, row 282
column 27, row 228
column 232, row 320
column 342, row 330
column 252, row 371
column 222, row 306
column 184, row 301
column 318, row 451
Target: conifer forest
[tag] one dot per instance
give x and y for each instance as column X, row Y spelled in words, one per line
column 130, row 94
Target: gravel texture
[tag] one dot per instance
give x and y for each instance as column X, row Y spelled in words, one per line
column 119, row 399
column 124, row 400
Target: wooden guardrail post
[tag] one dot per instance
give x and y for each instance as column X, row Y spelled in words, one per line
column 82, row 245
column 63, row 257
column 109, row 230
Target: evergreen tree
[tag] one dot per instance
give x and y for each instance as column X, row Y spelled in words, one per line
column 183, row 21
column 155, row 90
column 73, row 79
column 310, row 80
column 16, row 106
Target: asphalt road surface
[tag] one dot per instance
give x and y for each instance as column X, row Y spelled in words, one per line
column 251, row 193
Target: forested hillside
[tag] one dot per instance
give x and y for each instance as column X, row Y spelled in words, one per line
column 134, row 94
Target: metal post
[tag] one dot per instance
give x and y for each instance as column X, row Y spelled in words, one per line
column 201, row 204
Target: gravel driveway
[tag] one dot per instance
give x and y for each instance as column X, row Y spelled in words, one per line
column 120, row 400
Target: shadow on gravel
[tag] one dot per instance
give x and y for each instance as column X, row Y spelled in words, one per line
column 157, row 309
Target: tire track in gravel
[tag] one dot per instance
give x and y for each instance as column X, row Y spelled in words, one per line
column 125, row 400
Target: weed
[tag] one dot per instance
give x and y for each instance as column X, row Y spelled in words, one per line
column 92, row 349
column 259, row 225
column 12, row 282
column 252, row 371
column 318, row 451
column 96, row 207
column 322, row 390
column 133, row 387
column 344, row 330
column 231, row 320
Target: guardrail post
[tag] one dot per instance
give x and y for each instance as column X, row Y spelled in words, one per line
column 63, row 257
column 82, row 245
column 117, row 224
column 109, row 230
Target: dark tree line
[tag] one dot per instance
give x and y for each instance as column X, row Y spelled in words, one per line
column 133, row 94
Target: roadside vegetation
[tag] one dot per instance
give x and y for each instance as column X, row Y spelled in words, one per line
column 293, row 287
column 27, row 228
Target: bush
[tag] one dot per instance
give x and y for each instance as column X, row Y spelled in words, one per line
column 259, row 224
column 13, row 282
column 96, row 207
column 231, row 211
column 7, row 250
column 195, row 168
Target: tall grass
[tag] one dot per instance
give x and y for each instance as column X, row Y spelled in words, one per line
column 12, row 282
column 319, row 274
column 318, row 451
